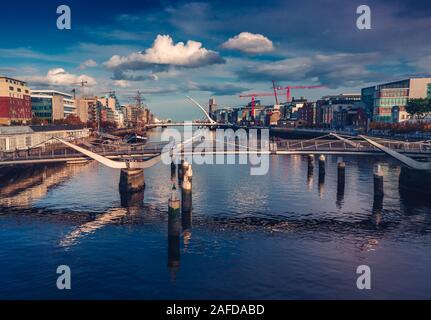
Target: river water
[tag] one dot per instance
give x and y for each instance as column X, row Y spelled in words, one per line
column 283, row 235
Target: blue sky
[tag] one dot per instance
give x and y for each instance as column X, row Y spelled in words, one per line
column 228, row 47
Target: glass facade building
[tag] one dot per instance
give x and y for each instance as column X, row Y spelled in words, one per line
column 52, row 105
column 382, row 100
column 42, row 108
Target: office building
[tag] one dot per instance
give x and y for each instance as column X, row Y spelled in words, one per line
column 15, row 102
column 380, row 100
column 51, row 105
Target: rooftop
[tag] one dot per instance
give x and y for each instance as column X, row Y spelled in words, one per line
column 51, row 92
column 13, row 79
column 12, row 130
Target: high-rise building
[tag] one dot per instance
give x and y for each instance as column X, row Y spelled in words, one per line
column 52, row 105
column 381, row 100
column 15, row 101
column 212, row 106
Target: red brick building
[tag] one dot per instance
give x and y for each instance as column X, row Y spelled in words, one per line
column 308, row 114
column 15, row 102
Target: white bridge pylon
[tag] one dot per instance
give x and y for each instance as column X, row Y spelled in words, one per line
column 203, row 110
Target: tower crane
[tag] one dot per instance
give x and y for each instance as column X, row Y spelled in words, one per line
column 82, row 83
column 253, row 97
column 289, row 90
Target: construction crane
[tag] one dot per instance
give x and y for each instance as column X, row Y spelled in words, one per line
column 289, row 90
column 253, row 97
column 82, row 83
column 274, row 86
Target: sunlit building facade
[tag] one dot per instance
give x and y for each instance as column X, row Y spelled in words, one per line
column 381, row 100
column 50, row 105
column 15, row 102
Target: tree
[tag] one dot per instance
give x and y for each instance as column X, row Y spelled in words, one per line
column 419, row 108
column 38, row 121
column 70, row 120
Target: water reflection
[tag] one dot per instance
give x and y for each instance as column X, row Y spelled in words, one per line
column 88, row 228
column 25, row 186
column 174, row 230
column 259, row 225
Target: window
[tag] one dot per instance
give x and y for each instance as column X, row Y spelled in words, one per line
column 11, row 88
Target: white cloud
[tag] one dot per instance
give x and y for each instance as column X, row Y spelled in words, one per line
column 249, row 43
column 165, row 53
column 59, row 77
column 122, row 83
column 88, row 64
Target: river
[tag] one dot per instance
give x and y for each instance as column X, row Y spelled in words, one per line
column 279, row 236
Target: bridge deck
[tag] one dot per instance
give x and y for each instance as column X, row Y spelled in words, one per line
column 148, row 151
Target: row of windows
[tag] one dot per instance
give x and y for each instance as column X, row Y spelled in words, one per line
column 393, row 93
column 390, row 102
column 18, row 89
column 15, row 82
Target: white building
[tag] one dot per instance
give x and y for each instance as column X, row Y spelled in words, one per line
column 23, row 137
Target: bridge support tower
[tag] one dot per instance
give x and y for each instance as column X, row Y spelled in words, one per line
column 132, row 180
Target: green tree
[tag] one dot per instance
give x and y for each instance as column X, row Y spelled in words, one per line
column 419, row 108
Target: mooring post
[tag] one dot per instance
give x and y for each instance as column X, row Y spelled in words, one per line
column 378, row 183
column 187, row 190
column 322, row 166
column 180, row 170
column 174, row 229
column 341, row 181
column 185, row 166
column 341, row 173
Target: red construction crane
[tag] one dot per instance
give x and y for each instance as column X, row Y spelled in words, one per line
column 289, row 90
column 253, row 97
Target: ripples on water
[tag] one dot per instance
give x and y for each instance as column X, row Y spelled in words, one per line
column 283, row 235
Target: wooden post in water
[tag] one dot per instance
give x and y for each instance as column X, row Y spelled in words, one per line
column 180, row 170
column 341, row 180
column 341, row 172
column 322, row 167
column 187, row 190
column 378, row 183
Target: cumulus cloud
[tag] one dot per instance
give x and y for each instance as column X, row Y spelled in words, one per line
column 164, row 53
column 247, row 42
column 59, row 77
column 122, row 83
column 333, row 71
column 225, row 89
column 88, row 64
